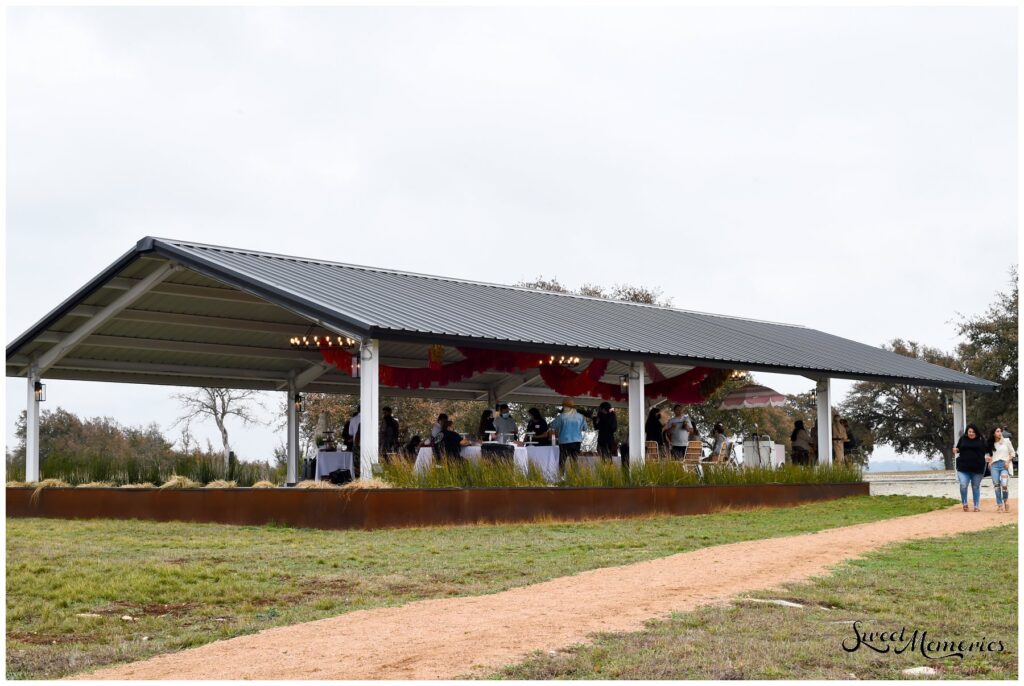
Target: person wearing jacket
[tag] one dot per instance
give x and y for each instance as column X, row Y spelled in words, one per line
column 1000, row 454
column 654, row 430
column 606, row 424
column 568, row 427
column 970, row 453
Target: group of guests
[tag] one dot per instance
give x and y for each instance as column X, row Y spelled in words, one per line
column 566, row 429
column 973, row 454
column 804, row 442
column 673, row 434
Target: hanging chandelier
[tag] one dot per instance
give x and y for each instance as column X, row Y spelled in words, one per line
column 559, row 361
column 316, row 342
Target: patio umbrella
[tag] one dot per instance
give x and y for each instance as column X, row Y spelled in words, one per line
column 752, row 395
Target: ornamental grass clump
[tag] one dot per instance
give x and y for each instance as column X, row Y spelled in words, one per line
column 220, row 483
column 313, row 484
column 462, row 474
column 96, row 484
column 368, row 484
column 44, row 484
column 177, row 481
column 264, row 484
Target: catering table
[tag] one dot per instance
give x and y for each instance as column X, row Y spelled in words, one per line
column 763, row 454
column 328, row 461
column 545, row 457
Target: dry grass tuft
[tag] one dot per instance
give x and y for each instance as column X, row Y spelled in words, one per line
column 144, row 484
column 309, row 483
column 177, row 481
column 264, row 484
column 45, row 483
column 96, row 484
column 220, row 483
column 18, row 484
column 359, row 484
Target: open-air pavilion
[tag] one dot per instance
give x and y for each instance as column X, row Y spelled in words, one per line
column 185, row 314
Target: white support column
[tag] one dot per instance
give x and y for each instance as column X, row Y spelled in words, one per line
column 637, row 407
column 293, row 436
column 824, row 397
column 369, row 406
column 32, row 428
column 959, row 414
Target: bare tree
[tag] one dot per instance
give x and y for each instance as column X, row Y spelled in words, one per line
column 218, row 404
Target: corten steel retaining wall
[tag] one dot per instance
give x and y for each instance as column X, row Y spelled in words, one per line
column 380, row 508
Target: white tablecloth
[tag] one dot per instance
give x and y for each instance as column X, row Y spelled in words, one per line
column 521, row 457
column 546, row 459
column 327, row 462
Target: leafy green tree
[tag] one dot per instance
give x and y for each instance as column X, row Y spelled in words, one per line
column 912, row 419
column 990, row 350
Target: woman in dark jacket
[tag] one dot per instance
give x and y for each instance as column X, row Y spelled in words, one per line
column 486, row 424
column 538, row 426
column 606, row 424
column 970, row 464
column 654, row 430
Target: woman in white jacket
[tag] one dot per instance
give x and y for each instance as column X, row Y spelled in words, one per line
column 1000, row 456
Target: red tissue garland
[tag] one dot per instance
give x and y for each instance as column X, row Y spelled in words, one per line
column 688, row 388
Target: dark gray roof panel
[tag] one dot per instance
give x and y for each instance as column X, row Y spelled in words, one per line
column 379, row 301
column 394, row 305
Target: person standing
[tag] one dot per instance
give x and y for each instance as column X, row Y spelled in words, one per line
column 801, row 442
column 839, row 438
column 1000, row 454
column 486, row 425
column 679, row 428
column 970, row 464
column 606, row 424
column 538, row 426
column 505, row 425
column 388, row 435
column 654, row 430
column 568, row 427
column 352, row 435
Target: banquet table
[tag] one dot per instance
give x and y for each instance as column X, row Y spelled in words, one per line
column 328, row 461
column 545, row 457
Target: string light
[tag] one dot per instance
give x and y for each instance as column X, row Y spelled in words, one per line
column 322, row 341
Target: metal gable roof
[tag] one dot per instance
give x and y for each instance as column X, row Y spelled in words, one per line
column 367, row 301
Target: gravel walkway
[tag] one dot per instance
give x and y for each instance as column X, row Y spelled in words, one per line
column 445, row 638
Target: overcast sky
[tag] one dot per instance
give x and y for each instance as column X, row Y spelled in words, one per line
column 853, row 170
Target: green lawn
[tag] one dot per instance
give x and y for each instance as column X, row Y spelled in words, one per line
column 962, row 587
column 72, row 583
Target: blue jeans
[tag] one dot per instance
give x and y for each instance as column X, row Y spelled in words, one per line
column 999, row 468
column 974, row 480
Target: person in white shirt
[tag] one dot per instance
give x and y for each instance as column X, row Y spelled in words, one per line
column 1000, row 456
column 678, row 429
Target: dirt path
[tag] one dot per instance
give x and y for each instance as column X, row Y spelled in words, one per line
column 444, row 638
